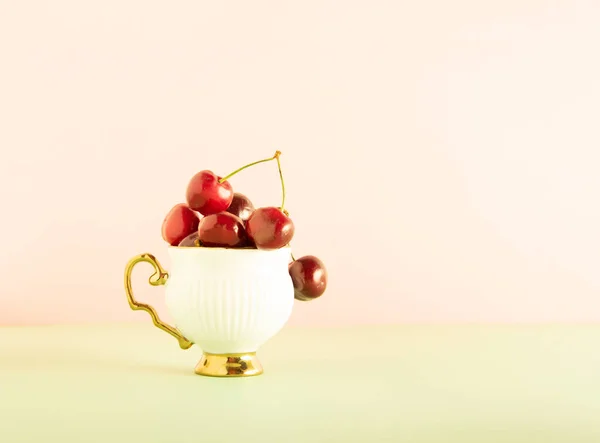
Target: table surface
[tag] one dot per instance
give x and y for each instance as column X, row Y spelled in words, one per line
column 484, row 384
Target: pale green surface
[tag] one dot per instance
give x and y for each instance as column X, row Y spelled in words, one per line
column 463, row 384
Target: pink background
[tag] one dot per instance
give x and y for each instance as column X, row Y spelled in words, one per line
column 441, row 157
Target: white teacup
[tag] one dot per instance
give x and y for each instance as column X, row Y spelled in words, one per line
column 227, row 301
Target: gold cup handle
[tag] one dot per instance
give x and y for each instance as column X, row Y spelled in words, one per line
column 159, row 278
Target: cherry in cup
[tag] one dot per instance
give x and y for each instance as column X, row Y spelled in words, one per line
column 180, row 222
column 222, row 230
column 208, row 193
column 241, row 206
column 191, row 240
column 270, row 228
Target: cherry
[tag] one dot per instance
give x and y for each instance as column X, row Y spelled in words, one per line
column 270, row 228
column 190, row 240
column 309, row 276
column 208, row 194
column 241, row 206
column 178, row 224
column 222, row 230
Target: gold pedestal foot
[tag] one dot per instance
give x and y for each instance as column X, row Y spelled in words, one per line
column 229, row 365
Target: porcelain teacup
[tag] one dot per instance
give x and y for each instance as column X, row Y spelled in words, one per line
column 228, row 302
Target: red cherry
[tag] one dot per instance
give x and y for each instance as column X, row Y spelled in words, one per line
column 270, row 228
column 207, row 195
column 178, row 224
column 309, row 276
column 190, row 240
column 241, row 206
column 222, row 230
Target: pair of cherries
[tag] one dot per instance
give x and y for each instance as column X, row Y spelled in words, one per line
column 229, row 220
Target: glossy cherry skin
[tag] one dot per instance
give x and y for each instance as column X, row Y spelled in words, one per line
column 206, row 195
column 180, row 222
column 191, row 240
column 270, row 228
column 241, row 206
column 223, row 230
column 309, row 276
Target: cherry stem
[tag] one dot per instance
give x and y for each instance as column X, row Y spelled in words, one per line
column 276, row 156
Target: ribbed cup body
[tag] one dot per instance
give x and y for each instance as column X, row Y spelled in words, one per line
column 229, row 300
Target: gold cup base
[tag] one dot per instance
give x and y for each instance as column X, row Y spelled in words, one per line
column 229, row 365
